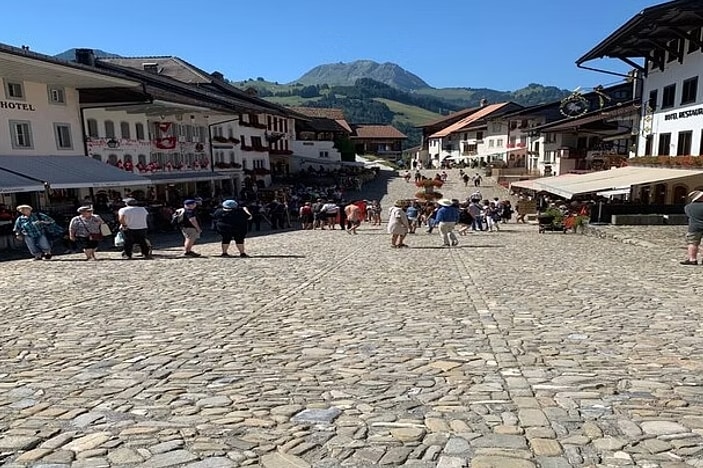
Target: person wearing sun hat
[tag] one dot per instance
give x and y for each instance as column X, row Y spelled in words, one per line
column 231, row 222
column 694, row 211
column 398, row 224
column 84, row 229
column 447, row 217
column 31, row 227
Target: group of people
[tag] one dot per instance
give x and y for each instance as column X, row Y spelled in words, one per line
column 86, row 230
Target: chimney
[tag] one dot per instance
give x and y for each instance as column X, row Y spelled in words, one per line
column 85, row 57
column 484, row 102
column 151, row 67
column 218, row 76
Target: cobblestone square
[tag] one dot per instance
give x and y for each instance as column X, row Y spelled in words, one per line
column 514, row 349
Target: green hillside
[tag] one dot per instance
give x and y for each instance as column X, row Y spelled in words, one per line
column 408, row 114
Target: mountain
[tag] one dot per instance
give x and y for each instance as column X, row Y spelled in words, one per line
column 70, row 54
column 530, row 95
column 346, row 74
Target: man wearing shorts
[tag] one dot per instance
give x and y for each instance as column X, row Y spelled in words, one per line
column 190, row 228
column 694, row 211
column 353, row 213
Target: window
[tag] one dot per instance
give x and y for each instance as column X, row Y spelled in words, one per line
column 62, row 131
column 491, row 143
column 693, row 45
column 664, row 144
column 93, row 128
column 21, row 133
column 324, row 154
column 124, row 130
column 669, row 96
column 57, row 95
column 285, row 125
column 243, row 140
column 256, row 142
column 648, row 145
column 109, row 129
column 141, row 159
column 675, row 45
column 499, row 143
column 690, row 90
column 231, row 156
column 230, row 132
column 653, row 97
column 550, row 138
column 479, row 136
column 139, row 130
column 683, row 148
column 550, row 157
column 268, row 122
column 14, row 90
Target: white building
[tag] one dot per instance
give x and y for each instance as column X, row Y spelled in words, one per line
column 253, row 139
column 41, row 134
column 669, row 65
column 479, row 138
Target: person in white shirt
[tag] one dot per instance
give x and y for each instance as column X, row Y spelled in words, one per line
column 133, row 223
column 331, row 211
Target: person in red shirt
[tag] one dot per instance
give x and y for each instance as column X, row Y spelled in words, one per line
column 306, row 216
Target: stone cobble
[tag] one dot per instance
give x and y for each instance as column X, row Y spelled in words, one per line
column 514, row 349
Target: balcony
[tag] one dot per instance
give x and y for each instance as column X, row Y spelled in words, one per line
column 516, row 145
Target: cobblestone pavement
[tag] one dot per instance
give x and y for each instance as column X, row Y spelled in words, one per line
column 512, row 350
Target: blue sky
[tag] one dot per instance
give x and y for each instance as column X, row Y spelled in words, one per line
column 473, row 43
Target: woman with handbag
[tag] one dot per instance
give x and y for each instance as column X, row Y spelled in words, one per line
column 86, row 230
column 31, row 227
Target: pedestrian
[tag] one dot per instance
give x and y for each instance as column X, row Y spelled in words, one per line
column 306, row 216
column 477, row 180
column 231, row 222
column 466, row 179
column 330, row 211
column 84, row 230
column 476, row 212
column 447, row 217
column 133, row 220
column 694, row 211
column 277, row 212
column 398, row 225
column 190, row 227
column 32, row 228
column 413, row 213
column 353, row 214
column 507, row 211
column 521, row 208
column 406, row 176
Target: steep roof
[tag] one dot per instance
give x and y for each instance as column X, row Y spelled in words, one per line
column 324, row 113
column 320, row 112
column 651, row 28
column 377, row 131
column 466, row 121
column 186, row 72
column 450, row 118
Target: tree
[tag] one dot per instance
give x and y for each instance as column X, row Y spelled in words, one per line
column 310, row 91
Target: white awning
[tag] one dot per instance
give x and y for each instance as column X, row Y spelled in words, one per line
column 615, row 192
column 612, row 179
column 69, row 172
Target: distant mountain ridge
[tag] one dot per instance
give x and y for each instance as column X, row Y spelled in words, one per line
column 346, row 74
column 70, row 54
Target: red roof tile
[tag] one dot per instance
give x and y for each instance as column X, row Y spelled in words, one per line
column 483, row 112
column 377, row 131
column 320, row 112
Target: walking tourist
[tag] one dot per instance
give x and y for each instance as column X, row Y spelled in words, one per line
column 32, row 228
column 413, row 213
column 231, row 222
column 447, row 217
column 398, row 224
column 190, row 227
column 306, row 216
column 694, row 211
column 353, row 213
column 84, row 230
column 330, row 210
column 133, row 223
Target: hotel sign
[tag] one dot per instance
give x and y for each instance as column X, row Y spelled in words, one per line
column 17, row 106
column 684, row 114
